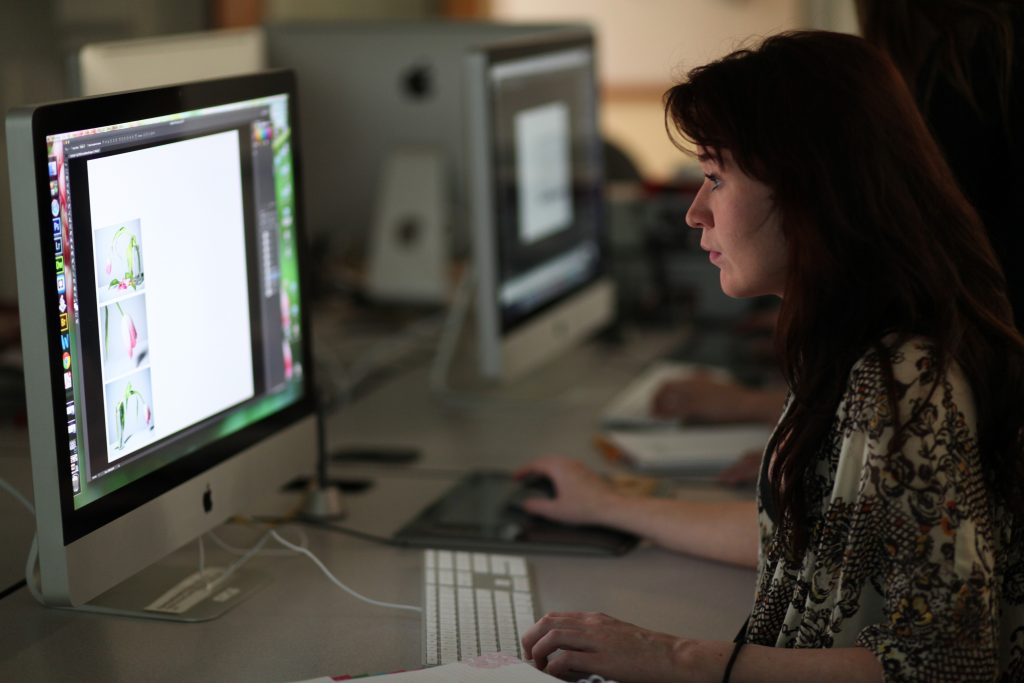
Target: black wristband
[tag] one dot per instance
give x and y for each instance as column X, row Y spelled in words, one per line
column 732, row 660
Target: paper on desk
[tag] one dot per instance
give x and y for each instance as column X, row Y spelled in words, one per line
column 493, row 668
column 688, row 448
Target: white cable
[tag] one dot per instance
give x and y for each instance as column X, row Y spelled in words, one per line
column 33, row 549
column 33, row 553
column 30, row 571
column 17, row 495
column 233, row 567
column 305, row 551
column 334, row 580
column 234, row 550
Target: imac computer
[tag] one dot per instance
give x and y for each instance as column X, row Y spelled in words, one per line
column 536, row 200
column 379, row 97
column 166, row 342
column 163, row 60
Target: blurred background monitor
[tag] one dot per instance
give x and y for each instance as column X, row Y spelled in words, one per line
column 375, row 93
column 536, row 198
column 166, row 60
column 165, row 337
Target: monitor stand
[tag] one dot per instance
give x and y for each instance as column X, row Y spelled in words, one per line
column 409, row 243
column 169, row 593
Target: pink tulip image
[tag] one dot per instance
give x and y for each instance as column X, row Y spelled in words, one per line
column 149, row 416
column 108, row 267
column 286, row 350
column 62, row 191
column 286, row 313
column 129, row 334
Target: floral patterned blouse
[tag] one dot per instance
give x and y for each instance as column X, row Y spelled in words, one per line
column 908, row 555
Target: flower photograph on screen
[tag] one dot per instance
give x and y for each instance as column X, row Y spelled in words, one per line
column 130, row 418
column 119, row 267
column 124, row 336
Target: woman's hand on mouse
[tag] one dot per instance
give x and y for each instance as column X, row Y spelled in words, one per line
column 580, row 493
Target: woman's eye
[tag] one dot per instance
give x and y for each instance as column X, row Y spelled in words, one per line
column 715, row 180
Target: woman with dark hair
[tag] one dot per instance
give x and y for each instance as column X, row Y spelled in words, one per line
column 964, row 63
column 887, row 531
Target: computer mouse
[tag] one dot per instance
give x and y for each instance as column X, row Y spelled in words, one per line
column 537, row 485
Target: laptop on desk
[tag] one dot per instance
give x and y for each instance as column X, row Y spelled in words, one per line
column 481, row 512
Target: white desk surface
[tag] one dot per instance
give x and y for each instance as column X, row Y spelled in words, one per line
column 300, row 626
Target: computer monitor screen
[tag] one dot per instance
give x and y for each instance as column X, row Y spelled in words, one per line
column 166, row 345
column 536, row 182
column 163, row 60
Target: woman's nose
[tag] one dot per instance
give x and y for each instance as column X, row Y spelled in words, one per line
column 699, row 215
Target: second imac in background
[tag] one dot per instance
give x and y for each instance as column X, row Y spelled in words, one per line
column 535, row 175
column 385, row 156
column 165, row 60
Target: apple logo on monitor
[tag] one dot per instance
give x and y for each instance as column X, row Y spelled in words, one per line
column 418, row 81
column 207, row 499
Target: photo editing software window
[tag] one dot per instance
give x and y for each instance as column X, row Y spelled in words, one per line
column 178, row 285
column 548, row 178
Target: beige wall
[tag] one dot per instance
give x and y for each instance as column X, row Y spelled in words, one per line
column 646, row 45
column 643, row 41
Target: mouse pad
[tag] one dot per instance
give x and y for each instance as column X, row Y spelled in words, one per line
column 481, row 512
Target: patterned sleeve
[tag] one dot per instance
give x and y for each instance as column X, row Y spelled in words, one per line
column 930, row 525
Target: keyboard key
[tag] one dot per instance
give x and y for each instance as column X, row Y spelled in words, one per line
column 499, row 564
column 508, row 639
column 462, row 561
column 517, row 566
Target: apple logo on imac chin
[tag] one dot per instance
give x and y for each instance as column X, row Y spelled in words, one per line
column 207, row 499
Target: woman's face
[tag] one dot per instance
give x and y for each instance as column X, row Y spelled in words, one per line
column 740, row 228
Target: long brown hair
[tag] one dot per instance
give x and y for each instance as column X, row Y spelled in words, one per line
column 880, row 241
